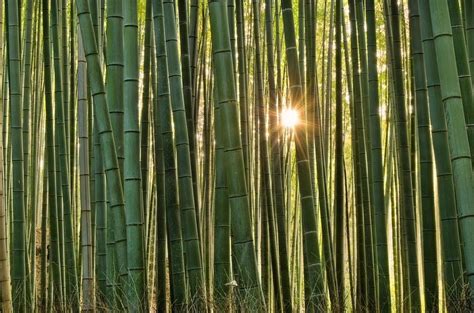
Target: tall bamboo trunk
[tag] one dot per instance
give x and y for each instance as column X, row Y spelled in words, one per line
column 173, row 219
column 86, row 219
column 276, row 167
column 16, row 130
column 455, row 121
column 5, row 279
column 339, row 197
column 104, row 129
column 403, row 157
column 378, row 200
column 450, row 241
column 222, row 228
column 426, row 163
column 250, row 291
column 314, row 295
column 135, row 290
column 57, row 301
column 183, row 146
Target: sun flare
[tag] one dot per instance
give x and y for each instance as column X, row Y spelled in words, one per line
column 289, row 118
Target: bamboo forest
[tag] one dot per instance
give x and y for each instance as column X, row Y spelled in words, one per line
column 237, row 156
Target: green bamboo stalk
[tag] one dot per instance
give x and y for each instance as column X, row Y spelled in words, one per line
column 26, row 100
column 360, row 196
column 426, row 162
column 314, row 296
column 339, row 200
column 405, row 181
column 86, row 238
column 57, row 301
column 63, row 15
column 378, row 202
column 44, row 222
column 184, row 162
column 135, row 290
column 5, row 279
column 469, row 26
column 114, row 79
column 36, row 141
column 301, row 41
column 101, row 223
column 326, row 121
column 104, row 128
column 63, row 180
column 93, row 5
column 321, row 173
column 222, row 219
column 277, row 183
column 72, row 108
column 243, row 86
column 243, row 246
column 208, row 168
column 450, row 241
column 457, row 135
column 268, row 208
column 349, row 180
column 462, row 63
column 173, row 217
column 366, row 157
column 114, row 94
column 158, row 153
column 312, row 98
column 193, row 44
column 61, row 201
column 145, row 119
column 62, row 19
column 188, row 91
column 232, row 25
column 15, row 97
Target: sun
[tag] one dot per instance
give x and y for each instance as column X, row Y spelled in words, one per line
column 289, row 118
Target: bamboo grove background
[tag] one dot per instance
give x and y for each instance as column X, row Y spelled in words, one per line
column 146, row 166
